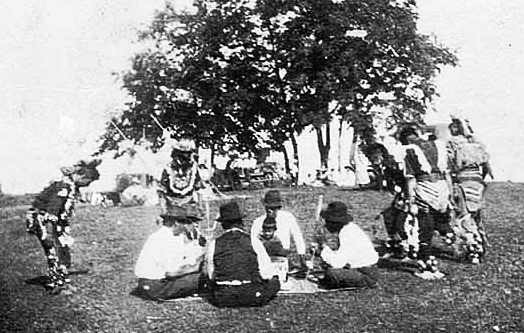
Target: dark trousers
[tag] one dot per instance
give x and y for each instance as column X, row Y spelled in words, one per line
column 178, row 287
column 350, row 277
column 246, row 295
column 428, row 222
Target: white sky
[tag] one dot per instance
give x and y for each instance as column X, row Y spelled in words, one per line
column 57, row 56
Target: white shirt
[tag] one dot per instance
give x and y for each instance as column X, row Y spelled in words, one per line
column 287, row 227
column 164, row 252
column 355, row 249
column 265, row 267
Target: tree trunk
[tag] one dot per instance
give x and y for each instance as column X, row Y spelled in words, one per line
column 323, row 148
column 353, row 148
column 340, row 144
column 286, row 160
column 213, row 149
column 295, row 158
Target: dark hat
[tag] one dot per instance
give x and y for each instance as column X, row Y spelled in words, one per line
column 272, row 199
column 230, row 212
column 269, row 223
column 405, row 130
column 180, row 214
column 336, row 212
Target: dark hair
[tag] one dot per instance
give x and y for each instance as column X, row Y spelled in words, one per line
column 168, row 222
column 405, row 133
column 458, row 123
column 332, row 226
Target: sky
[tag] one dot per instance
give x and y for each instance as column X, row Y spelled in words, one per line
column 57, row 87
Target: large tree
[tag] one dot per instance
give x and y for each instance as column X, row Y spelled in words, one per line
column 247, row 72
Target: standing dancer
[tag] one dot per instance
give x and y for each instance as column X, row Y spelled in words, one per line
column 469, row 164
column 180, row 179
column 427, row 193
column 48, row 219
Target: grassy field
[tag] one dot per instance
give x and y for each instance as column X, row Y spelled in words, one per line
column 484, row 298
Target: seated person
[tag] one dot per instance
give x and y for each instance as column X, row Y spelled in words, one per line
column 238, row 267
column 286, row 223
column 350, row 260
column 270, row 241
column 169, row 264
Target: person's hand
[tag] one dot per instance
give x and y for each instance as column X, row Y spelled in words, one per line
column 315, row 249
column 166, row 133
column 413, row 209
column 192, row 233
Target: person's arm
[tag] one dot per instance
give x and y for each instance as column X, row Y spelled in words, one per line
column 298, row 238
column 411, row 185
column 184, row 270
column 265, row 267
column 341, row 257
column 209, row 266
column 163, row 182
column 256, row 228
column 190, row 263
column 410, row 170
column 148, row 265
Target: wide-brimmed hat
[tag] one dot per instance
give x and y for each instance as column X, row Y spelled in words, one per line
column 180, row 214
column 272, row 199
column 336, row 212
column 230, row 212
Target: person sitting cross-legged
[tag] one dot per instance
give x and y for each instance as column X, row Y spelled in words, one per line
column 286, row 225
column 169, row 265
column 238, row 267
column 353, row 263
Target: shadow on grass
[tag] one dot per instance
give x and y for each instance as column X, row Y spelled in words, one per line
column 43, row 279
column 397, row 265
column 37, row 281
column 140, row 293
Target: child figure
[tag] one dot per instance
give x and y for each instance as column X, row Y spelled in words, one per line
column 270, row 241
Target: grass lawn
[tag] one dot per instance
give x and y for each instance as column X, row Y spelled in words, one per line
column 484, row 298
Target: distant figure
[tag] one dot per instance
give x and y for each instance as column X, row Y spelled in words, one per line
column 180, row 179
column 239, row 269
column 360, row 165
column 48, row 219
column 169, row 264
column 346, row 250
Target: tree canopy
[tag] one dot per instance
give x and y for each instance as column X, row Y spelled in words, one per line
column 258, row 72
